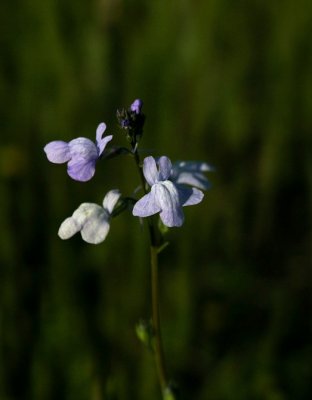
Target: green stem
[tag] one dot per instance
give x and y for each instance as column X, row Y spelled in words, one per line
column 159, row 352
column 138, row 163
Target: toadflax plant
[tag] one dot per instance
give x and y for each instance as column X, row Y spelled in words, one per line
column 166, row 188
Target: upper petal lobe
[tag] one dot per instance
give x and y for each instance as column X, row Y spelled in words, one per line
column 83, row 148
column 150, row 170
column 110, row 200
column 102, row 142
column 99, row 131
column 165, row 167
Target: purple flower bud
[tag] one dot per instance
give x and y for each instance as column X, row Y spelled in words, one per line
column 125, row 123
column 136, row 106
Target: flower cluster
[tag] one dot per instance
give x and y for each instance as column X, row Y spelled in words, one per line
column 132, row 121
column 171, row 186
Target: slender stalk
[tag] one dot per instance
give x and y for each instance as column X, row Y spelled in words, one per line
column 159, row 352
column 138, row 163
column 158, row 347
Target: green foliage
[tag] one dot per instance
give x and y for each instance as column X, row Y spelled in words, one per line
column 229, row 83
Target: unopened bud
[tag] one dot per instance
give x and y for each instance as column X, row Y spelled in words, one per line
column 136, row 106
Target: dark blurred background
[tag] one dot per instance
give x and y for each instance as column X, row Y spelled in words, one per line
column 226, row 82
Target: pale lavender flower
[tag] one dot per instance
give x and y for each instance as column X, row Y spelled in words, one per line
column 81, row 154
column 92, row 220
column 165, row 197
column 191, row 173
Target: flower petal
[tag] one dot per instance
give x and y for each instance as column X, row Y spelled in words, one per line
column 81, row 169
column 150, row 170
column 100, row 130
column 96, row 228
column 191, row 173
column 68, row 228
column 189, row 196
column 85, row 211
column 84, row 154
column 102, row 142
column 193, row 166
column 167, row 197
column 196, row 179
column 146, row 206
column 165, row 167
column 110, row 200
column 57, row 152
column 83, row 148
column 171, row 219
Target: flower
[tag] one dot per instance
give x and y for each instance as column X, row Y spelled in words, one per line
column 165, row 197
column 92, row 220
column 191, row 173
column 81, row 154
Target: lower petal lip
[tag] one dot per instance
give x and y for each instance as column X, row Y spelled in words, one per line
column 173, row 221
column 81, row 170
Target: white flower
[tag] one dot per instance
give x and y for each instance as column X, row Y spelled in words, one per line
column 92, row 220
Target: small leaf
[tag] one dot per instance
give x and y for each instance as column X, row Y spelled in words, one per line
column 144, row 331
column 162, row 247
column 168, row 394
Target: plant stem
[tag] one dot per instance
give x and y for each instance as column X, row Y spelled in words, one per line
column 159, row 352
column 138, row 163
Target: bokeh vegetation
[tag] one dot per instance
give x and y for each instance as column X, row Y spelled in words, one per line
column 226, row 82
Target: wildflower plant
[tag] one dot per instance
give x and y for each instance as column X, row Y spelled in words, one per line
column 166, row 188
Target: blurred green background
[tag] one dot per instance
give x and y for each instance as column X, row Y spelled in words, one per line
column 226, row 82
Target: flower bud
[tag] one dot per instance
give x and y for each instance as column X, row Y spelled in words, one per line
column 136, row 106
column 132, row 120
